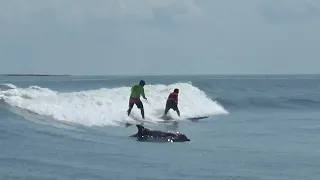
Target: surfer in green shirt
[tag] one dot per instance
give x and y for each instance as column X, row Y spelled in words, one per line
column 136, row 91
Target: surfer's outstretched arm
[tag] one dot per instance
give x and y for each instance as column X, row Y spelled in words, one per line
column 143, row 94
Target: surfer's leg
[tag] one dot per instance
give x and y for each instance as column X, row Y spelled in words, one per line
column 178, row 112
column 167, row 108
column 130, row 107
column 166, row 111
column 142, row 113
column 140, row 106
column 175, row 107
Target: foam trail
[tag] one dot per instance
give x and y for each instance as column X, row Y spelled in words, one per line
column 108, row 106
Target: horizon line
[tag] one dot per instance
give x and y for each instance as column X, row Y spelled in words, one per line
column 206, row 74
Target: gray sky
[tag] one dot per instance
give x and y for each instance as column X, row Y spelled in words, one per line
column 159, row 37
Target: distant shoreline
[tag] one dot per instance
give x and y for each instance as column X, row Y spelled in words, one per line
column 34, row 75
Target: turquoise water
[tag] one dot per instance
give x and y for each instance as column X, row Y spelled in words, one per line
column 260, row 128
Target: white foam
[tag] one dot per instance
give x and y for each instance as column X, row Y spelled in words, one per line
column 6, row 86
column 108, row 106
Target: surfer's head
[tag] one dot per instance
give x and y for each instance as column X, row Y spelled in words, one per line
column 176, row 91
column 142, row 83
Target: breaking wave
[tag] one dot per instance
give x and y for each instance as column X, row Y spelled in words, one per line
column 106, row 106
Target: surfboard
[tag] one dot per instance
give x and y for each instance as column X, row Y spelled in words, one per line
column 165, row 120
column 170, row 119
column 141, row 121
column 197, row 118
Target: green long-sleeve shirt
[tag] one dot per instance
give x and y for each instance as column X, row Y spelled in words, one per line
column 136, row 91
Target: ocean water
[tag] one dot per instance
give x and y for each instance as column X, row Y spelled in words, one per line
column 72, row 127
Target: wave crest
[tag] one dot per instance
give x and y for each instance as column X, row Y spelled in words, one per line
column 108, row 106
